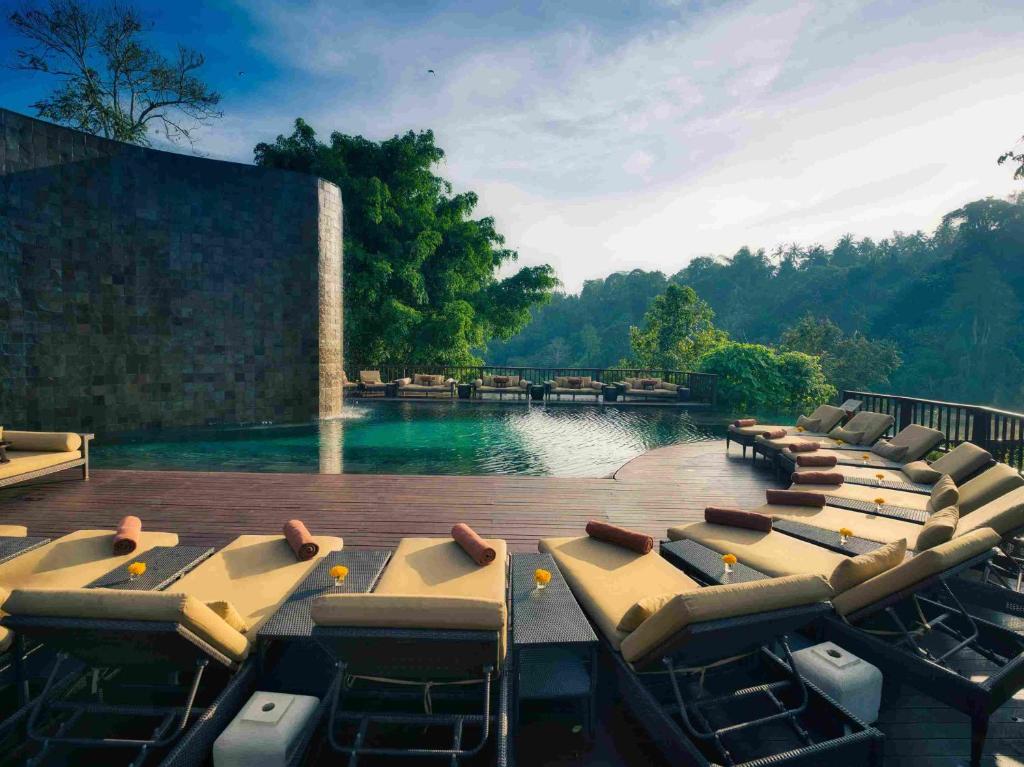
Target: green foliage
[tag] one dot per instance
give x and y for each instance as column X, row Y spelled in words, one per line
column 757, row 379
column 420, row 272
column 678, row 330
column 849, row 362
column 1016, row 157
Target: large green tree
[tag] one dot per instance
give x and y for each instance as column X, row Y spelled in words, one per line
column 421, row 274
column 678, row 330
column 851, row 361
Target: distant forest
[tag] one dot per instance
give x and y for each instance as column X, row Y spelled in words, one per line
column 931, row 315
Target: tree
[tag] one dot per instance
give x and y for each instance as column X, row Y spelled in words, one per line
column 1015, row 156
column 849, row 362
column 678, row 330
column 110, row 82
column 420, row 271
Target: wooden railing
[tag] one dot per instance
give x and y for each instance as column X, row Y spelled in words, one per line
column 998, row 431
column 703, row 386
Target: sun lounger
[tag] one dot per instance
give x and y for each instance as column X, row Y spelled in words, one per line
column 859, row 433
column 873, row 614
column 200, row 629
column 433, row 631
column 818, row 423
column 718, row 636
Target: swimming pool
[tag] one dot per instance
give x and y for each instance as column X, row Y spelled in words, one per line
column 395, row 437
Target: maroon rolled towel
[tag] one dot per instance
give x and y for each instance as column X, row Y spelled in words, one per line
column 126, row 539
column 817, row 478
column 795, row 498
column 825, row 461
column 620, row 536
column 774, row 434
column 473, row 544
column 751, row 520
column 803, row 447
column 301, row 540
column 745, row 422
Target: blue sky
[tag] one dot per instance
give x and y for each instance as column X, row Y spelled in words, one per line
column 607, row 136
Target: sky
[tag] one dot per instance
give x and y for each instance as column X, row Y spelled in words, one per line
column 611, row 136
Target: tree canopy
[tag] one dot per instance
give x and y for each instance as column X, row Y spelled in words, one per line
column 421, row 274
column 678, row 330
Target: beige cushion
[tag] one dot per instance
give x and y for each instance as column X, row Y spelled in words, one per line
column 6, row 638
column 869, row 473
column 889, row 451
column 717, row 602
column 642, row 610
column 227, row 612
column 608, row 580
column 810, row 424
column 43, row 441
column 987, row 486
column 855, row 570
column 13, row 531
column 773, row 553
column 409, row 611
column 118, row 604
column 918, row 440
column 962, row 461
column 255, row 573
column 938, row 529
column 847, row 435
column 873, row 527
column 924, row 565
column 828, row 417
column 756, row 430
column 871, row 425
column 369, row 376
column 920, row 471
column 1003, row 514
column 22, row 461
column 944, row 493
column 869, row 493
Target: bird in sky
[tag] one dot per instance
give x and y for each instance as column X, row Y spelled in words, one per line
column 431, row 72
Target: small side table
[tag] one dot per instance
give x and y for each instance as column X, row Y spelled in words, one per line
column 465, row 391
column 683, row 394
column 705, row 565
column 15, row 546
column 554, row 646
column 537, row 392
column 610, row 392
column 164, row 565
column 391, row 390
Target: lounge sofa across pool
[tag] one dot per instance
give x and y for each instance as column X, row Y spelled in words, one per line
column 32, row 454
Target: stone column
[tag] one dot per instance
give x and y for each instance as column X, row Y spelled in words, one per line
column 330, row 262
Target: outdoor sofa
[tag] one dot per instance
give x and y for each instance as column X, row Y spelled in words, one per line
column 820, row 422
column 370, row 383
column 426, row 385
column 684, row 656
column 896, row 611
column 34, row 454
column 502, row 386
column 572, row 386
column 651, row 389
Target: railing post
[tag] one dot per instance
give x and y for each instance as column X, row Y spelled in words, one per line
column 906, row 410
column 980, row 428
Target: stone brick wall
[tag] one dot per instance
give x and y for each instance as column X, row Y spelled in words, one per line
column 143, row 289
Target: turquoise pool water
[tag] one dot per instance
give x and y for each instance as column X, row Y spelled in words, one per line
column 420, row 438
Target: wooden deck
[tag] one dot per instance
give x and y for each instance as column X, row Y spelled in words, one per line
column 659, row 489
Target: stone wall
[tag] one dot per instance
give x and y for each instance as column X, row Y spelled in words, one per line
column 141, row 289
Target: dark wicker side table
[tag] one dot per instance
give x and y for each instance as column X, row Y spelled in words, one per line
column 609, row 392
column 164, row 565
column 465, row 390
column 554, row 646
column 705, row 565
column 827, row 539
column 537, row 392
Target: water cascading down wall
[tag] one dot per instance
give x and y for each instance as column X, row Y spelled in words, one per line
column 145, row 289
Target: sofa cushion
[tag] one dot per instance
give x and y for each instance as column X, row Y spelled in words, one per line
column 855, row 570
column 608, row 580
column 1003, row 514
column 912, row 571
column 938, row 529
column 43, row 441
column 944, row 493
column 25, row 461
column 920, row 471
column 919, row 441
column 369, row 376
column 871, row 425
column 719, row 602
column 987, row 486
column 890, row 451
column 962, row 461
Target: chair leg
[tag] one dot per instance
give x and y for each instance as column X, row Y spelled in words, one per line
column 979, row 731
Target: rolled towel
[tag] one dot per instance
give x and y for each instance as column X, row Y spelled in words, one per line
column 827, row 461
column 301, row 540
column 751, row 520
column 126, row 539
column 473, row 544
column 803, row 447
column 817, row 478
column 774, row 434
column 620, row 536
column 795, row 498
column 745, row 422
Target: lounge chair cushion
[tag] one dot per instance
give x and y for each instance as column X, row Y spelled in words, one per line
column 920, row 471
column 944, row 493
column 847, row 435
column 1004, row 515
column 255, row 573
column 43, row 441
column 13, row 531
column 962, row 461
column 873, row 527
column 918, row 440
column 890, row 451
column 369, row 376
column 828, row 415
column 230, row 615
column 912, row 571
column 642, row 610
column 608, row 580
column 772, row 553
column 871, row 425
column 416, row 611
column 25, row 461
column 869, row 493
column 117, row 604
column 987, row 486
column 718, row 602
column 853, row 571
column 938, row 529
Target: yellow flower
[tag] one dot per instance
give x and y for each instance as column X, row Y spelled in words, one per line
column 338, row 572
column 840, row 442
column 879, row 476
column 879, row 501
column 865, row 457
column 542, row 576
column 136, row 568
column 800, row 429
column 845, row 532
column 729, row 559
